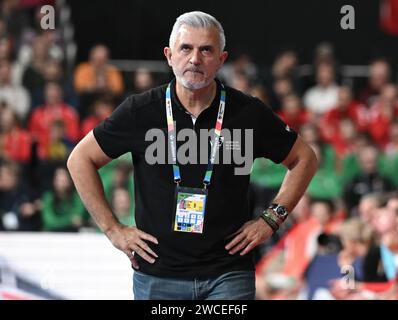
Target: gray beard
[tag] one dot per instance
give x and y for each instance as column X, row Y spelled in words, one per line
column 193, row 86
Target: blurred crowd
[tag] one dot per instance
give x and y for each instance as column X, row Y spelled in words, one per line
column 344, row 232
column 341, row 241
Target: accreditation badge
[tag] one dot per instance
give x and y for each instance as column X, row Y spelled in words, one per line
column 190, row 209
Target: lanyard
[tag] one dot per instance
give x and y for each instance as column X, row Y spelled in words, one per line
column 172, row 137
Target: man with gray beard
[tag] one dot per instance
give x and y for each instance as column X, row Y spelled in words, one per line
column 194, row 234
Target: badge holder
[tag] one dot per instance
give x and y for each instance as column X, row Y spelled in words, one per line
column 189, row 209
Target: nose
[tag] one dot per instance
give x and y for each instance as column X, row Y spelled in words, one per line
column 195, row 57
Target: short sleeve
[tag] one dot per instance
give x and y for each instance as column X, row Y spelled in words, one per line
column 115, row 135
column 274, row 138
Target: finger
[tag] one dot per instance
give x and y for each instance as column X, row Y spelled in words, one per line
column 147, row 236
column 143, row 254
column 134, row 262
column 240, row 246
column 144, row 246
column 235, row 241
column 248, row 248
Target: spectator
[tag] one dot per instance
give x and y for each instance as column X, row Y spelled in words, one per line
column 348, row 166
column 32, row 76
column 52, row 72
column 284, row 67
column 16, row 140
column 10, row 195
column 240, row 81
column 368, row 205
column 62, row 208
column 380, row 262
column 121, row 177
column 15, row 96
column 346, row 108
column 324, row 95
column 19, row 211
column 382, row 114
column 344, row 138
column 391, row 148
column 367, row 181
column 43, row 117
column 97, row 74
column 281, row 88
column 292, row 112
column 102, row 109
column 31, row 32
column 326, row 268
column 241, row 64
column 326, row 183
column 379, row 76
column 143, row 80
column 59, row 146
column 122, row 206
column 324, row 53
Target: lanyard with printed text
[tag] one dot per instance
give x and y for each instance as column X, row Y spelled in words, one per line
column 172, row 137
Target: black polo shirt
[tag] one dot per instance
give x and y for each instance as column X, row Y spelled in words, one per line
column 184, row 254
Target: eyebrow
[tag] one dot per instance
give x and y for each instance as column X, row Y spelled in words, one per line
column 206, row 47
column 186, row 45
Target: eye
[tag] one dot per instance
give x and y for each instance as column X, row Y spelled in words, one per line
column 207, row 50
column 185, row 48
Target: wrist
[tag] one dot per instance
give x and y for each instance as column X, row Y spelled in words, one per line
column 275, row 215
column 270, row 222
column 109, row 231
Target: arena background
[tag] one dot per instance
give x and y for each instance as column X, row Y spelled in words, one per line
column 46, row 256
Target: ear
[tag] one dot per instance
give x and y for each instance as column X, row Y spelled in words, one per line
column 223, row 57
column 167, row 54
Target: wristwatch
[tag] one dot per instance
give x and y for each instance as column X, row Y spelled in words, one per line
column 280, row 211
column 275, row 215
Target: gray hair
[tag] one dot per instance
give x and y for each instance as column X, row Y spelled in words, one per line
column 197, row 19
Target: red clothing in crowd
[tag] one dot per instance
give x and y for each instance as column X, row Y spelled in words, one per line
column 379, row 124
column 17, row 145
column 330, row 124
column 88, row 124
column 91, row 122
column 295, row 121
column 389, row 16
column 42, row 119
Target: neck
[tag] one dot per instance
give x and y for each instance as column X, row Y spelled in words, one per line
column 195, row 101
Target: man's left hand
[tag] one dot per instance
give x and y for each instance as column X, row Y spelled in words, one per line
column 250, row 235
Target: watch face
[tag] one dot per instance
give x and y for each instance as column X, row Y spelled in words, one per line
column 281, row 211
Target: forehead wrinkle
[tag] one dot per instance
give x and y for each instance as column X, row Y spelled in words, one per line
column 204, row 37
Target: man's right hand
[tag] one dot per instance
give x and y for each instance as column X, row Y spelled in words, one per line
column 130, row 240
